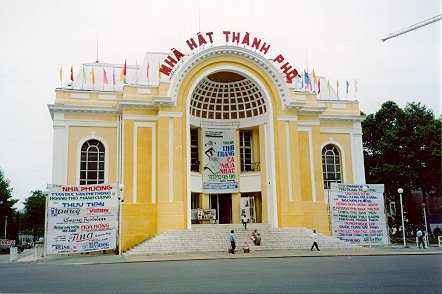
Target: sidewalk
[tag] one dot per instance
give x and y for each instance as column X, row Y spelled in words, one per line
column 84, row 259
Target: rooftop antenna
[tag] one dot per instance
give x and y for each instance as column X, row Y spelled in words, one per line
column 97, row 50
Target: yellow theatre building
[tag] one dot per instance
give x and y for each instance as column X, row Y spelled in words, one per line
column 207, row 137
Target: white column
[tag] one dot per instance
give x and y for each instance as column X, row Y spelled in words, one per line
column 357, row 154
column 60, row 150
column 271, row 176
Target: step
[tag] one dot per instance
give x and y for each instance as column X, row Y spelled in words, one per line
column 215, row 237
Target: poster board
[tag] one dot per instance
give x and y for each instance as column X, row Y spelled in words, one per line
column 219, row 166
column 81, row 218
column 356, row 216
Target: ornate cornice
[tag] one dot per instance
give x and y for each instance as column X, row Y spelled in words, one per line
column 312, row 110
column 81, row 109
column 342, row 118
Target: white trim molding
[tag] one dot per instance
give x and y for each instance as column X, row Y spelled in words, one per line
column 106, row 156
column 246, row 54
column 341, row 154
column 357, row 154
column 312, row 164
column 171, row 159
column 60, row 150
column 289, row 160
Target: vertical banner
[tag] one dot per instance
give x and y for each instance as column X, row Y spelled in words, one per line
column 358, row 216
column 219, row 173
column 81, row 219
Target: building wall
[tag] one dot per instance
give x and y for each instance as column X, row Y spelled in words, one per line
column 154, row 151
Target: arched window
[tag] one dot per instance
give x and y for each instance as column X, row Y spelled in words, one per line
column 331, row 166
column 92, row 163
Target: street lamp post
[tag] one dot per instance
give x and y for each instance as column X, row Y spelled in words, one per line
column 120, row 201
column 400, row 191
column 425, row 220
column 365, row 189
column 6, row 224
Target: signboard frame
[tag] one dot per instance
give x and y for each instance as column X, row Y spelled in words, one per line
column 357, row 214
column 81, row 218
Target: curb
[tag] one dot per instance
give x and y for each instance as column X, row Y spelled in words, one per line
column 216, row 256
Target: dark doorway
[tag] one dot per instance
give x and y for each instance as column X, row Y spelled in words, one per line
column 223, row 205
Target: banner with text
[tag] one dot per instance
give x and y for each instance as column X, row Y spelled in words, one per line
column 219, row 174
column 357, row 216
column 81, row 218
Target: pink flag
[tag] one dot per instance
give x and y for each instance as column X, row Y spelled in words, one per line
column 319, row 86
column 147, row 70
column 105, row 81
column 113, row 76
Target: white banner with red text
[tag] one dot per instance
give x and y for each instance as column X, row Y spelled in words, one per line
column 81, row 218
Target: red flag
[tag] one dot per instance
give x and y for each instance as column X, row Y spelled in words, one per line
column 72, row 73
column 319, row 86
column 147, row 70
column 105, row 77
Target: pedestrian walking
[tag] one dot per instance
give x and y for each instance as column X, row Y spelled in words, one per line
column 232, row 241
column 420, row 238
column 244, row 221
column 314, row 236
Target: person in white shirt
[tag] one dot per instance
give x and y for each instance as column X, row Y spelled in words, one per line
column 420, row 238
column 314, row 236
column 244, row 221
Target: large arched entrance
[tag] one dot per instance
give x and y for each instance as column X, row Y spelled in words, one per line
column 228, row 106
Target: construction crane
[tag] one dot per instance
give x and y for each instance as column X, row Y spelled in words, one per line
column 413, row 27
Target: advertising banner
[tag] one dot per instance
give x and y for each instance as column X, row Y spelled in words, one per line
column 219, row 174
column 82, row 219
column 5, row 243
column 357, row 216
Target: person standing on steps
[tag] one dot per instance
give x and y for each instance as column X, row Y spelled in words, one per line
column 314, row 236
column 232, row 241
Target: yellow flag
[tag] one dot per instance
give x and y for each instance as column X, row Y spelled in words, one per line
column 315, row 80
column 61, row 73
column 159, row 73
column 93, row 76
column 337, row 88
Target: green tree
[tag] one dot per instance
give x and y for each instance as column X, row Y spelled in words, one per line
column 402, row 149
column 34, row 213
column 7, row 212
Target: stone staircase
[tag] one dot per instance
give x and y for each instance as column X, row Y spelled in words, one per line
column 215, row 238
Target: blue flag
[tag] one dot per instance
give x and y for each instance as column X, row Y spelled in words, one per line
column 306, row 78
column 346, row 82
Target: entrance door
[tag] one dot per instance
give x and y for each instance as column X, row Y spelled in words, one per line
column 248, row 208
column 223, row 205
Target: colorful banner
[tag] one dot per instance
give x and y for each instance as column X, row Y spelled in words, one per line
column 82, row 219
column 5, row 243
column 358, row 216
column 219, row 174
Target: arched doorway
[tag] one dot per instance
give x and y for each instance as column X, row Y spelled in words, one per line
column 227, row 113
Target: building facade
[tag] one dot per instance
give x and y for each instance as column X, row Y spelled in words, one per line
column 225, row 134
